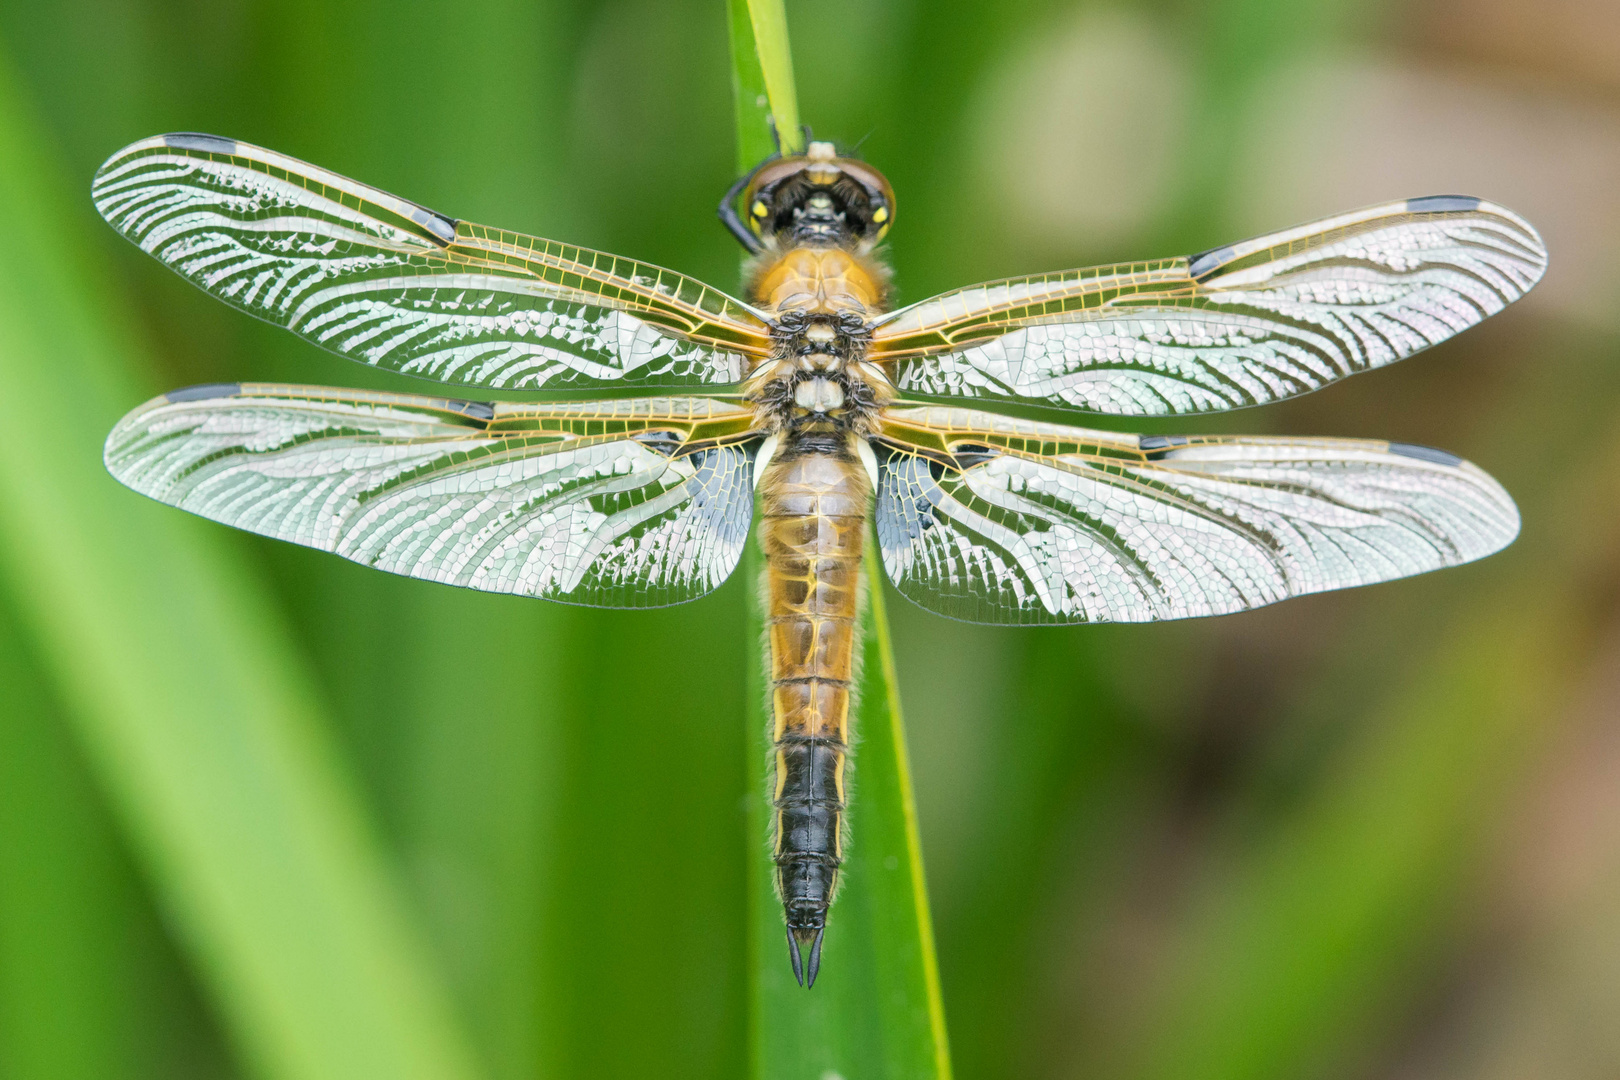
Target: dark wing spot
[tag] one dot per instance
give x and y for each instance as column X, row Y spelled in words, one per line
column 483, row 410
column 208, row 144
column 440, row 226
column 970, row 454
column 667, row 443
column 1201, row 264
column 1424, row 453
column 203, row 392
column 1157, row 445
column 1440, row 204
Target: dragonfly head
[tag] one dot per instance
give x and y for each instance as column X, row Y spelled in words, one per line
column 817, row 198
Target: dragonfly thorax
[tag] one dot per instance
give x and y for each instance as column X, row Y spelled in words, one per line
column 822, row 301
column 818, row 375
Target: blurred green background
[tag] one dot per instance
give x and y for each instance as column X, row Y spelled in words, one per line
column 1368, row 834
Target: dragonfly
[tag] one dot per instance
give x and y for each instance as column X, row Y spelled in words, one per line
column 816, row 406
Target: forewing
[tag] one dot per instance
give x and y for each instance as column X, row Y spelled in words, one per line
column 989, row 519
column 1259, row 321
column 636, row 503
column 397, row 286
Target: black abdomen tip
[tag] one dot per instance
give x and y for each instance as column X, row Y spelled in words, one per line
column 805, row 968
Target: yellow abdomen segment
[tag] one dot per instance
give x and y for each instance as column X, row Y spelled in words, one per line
column 814, row 513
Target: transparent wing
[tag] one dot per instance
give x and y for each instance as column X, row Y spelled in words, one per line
column 989, row 519
column 392, row 284
column 635, row 503
column 1242, row 325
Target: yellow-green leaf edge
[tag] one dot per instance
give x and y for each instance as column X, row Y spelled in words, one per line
column 877, row 1009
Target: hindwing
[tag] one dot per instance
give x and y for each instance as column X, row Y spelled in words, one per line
column 990, row 519
column 633, row 503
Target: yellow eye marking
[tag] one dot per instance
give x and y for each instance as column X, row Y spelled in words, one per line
column 880, row 215
column 759, row 209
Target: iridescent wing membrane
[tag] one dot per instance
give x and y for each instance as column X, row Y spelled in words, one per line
column 646, row 502
column 1255, row 322
column 635, row 503
column 990, row 519
column 395, row 285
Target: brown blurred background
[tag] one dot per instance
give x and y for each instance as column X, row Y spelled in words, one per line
column 1371, row 834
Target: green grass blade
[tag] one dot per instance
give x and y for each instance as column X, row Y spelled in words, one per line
column 876, row 1010
column 1323, row 933
column 762, row 66
column 892, row 859
column 193, row 706
column 748, row 90
column 1328, row 921
column 88, row 984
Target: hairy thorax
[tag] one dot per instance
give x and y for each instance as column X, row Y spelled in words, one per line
column 821, row 300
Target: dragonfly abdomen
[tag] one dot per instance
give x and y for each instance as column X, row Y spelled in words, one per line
column 814, row 496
